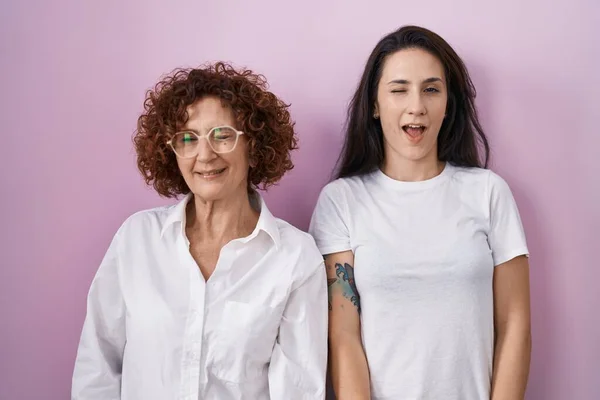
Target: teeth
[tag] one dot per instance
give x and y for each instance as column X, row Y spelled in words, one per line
column 415, row 126
column 216, row 172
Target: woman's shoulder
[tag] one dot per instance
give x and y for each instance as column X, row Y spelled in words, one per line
column 477, row 175
column 294, row 237
column 346, row 186
column 299, row 250
column 482, row 180
column 147, row 221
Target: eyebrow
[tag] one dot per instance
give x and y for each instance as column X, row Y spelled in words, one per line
column 405, row 82
column 206, row 128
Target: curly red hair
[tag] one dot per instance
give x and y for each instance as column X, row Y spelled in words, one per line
column 262, row 116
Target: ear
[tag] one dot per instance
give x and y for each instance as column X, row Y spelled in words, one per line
column 376, row 111
column 252, row 162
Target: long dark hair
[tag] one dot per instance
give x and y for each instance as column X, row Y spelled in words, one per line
column 460, row 134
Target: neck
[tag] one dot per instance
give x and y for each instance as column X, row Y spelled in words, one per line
column 221, row 220
column 402, row 169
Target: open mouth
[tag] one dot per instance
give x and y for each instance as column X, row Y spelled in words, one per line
column 211, row 174
column 414, row 131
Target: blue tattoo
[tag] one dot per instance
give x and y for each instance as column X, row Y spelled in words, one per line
column 345, row 275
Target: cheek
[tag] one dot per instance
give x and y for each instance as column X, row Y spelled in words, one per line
column 437, row 110
column 392, row 134
column 185, row 165
column 239, row 162
column 389, row 105
column 388, row 111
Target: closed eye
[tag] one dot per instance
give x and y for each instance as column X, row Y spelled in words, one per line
column 399, row 91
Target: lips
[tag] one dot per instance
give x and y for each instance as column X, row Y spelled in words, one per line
column 211, row 173
column 414, row 130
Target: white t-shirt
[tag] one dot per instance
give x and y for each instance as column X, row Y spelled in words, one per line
column 424, row 259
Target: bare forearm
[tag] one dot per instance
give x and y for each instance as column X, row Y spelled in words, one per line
column 511, row 365
column 349, row 370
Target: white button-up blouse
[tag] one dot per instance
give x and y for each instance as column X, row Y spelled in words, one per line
column 155, row 329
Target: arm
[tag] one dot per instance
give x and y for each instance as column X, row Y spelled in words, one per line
column 97, row 374
column 349, row 369
column 299, row 361
column 513, row 332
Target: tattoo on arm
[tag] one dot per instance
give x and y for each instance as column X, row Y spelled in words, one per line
column 345, row 281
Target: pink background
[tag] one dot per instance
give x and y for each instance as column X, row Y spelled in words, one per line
column 73, row 77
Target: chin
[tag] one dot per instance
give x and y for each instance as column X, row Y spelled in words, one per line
column 417, row 153
column 209, row 194
column 216, row 192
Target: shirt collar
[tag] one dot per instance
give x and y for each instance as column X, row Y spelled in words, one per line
column 266, row 221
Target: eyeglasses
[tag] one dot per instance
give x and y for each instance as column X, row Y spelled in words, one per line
column 221, row 139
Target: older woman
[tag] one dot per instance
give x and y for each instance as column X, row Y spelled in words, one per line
column 211, row 298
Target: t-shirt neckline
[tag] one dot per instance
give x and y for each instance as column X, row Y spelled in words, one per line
column 394, row 184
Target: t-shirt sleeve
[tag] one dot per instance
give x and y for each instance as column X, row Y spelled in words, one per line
column 506, row 236
column 329, row 224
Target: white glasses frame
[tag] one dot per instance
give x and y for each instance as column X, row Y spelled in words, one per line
column 206, row 136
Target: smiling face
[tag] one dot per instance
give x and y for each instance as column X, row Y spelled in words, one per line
column 212, row 176
column 411, row 103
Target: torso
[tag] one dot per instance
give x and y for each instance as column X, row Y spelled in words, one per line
column 212, row 340
column 424, row 273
